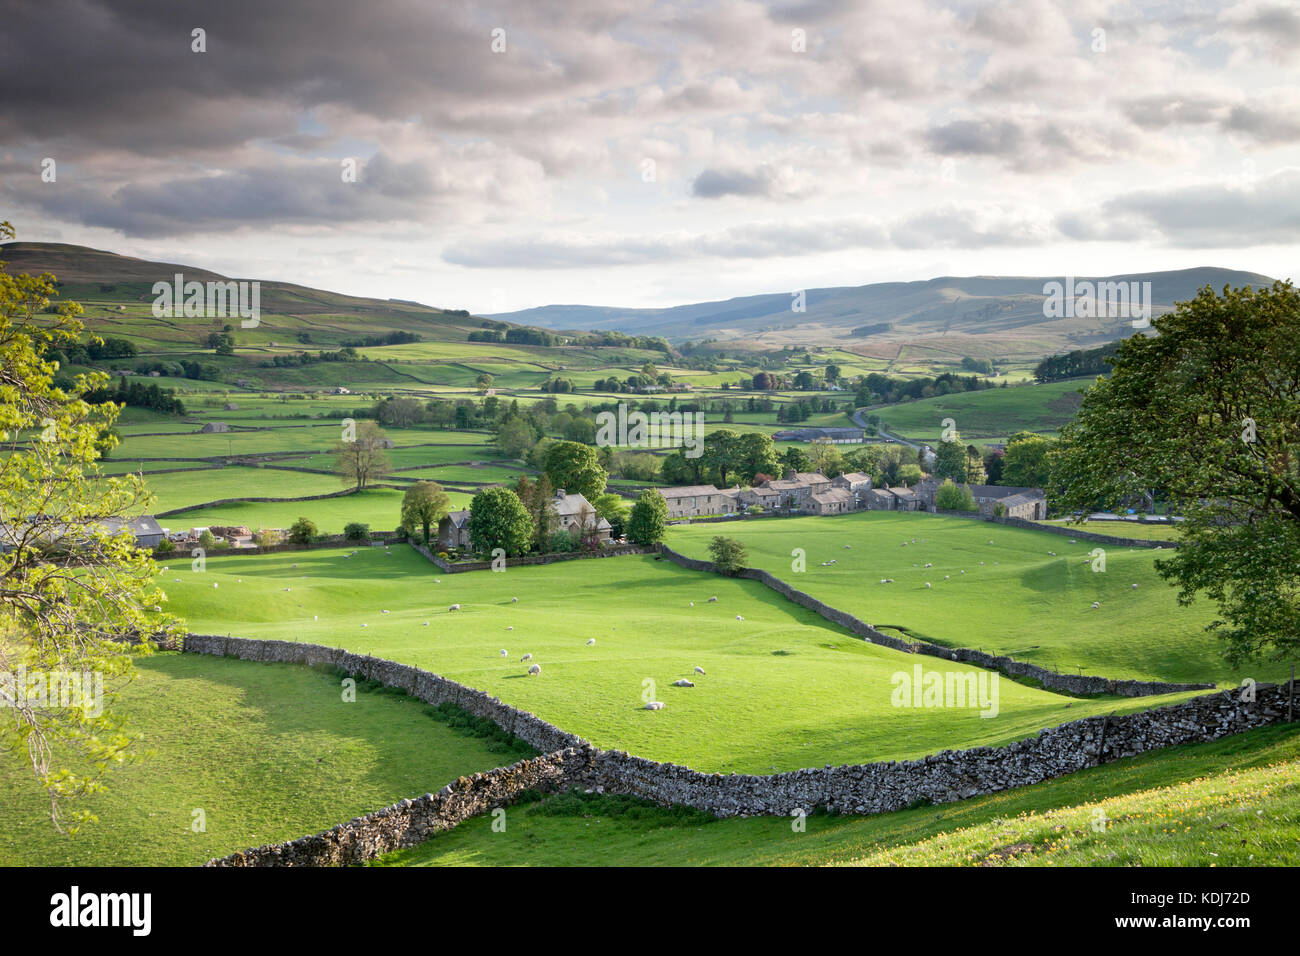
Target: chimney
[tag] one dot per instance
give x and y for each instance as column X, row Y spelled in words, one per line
column 559, row 493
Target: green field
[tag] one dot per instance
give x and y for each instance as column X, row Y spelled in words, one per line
column 268, row 752
column 783, row 689
column 381, row 508
column 1234, row 802
column 1022, row 601
column 994, row 412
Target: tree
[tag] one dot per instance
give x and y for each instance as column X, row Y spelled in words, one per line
column 1026, row 463
column 362, row 459
column 728, row 555
column 539, row 501
column 1207, row 412
column 950, row 497
column 795, row 459
column 72, row 593
column 826, row 458
column 975, row 473
column 950, row 461
column 910, row 474
column 755, row 454
column 649, row 518
column 423, row 506
column 357, row 531
column 498, row 519
column 575, row 468
column 721, row 452
column 303, row 531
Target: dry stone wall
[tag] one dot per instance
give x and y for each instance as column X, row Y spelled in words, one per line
column 1081, row 684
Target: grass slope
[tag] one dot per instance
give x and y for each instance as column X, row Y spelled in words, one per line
column 269, row 752
column 1233, row 802
column 1022, row 601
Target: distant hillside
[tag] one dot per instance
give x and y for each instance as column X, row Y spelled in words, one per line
column 117, row 294
column 986, row 307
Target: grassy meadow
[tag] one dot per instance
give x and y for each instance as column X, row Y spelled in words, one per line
column 1022, row 601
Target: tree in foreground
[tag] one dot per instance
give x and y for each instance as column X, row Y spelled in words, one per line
column 649, row 518
column 498, row 519
column 423, row 506
column 728, row 555
column 360, row 459
column 1206, row 414
column 73, row 594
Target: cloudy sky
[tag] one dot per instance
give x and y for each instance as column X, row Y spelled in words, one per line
column 636, row 153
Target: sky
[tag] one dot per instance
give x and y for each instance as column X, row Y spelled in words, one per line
column 499, row 156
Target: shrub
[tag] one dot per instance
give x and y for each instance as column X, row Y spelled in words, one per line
column 728, row 555
column 560, row 542
column 303, row 531
column 356, row 531
column 165, row 546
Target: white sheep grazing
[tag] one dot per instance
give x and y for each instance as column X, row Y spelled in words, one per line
column 1095, row 605
column 927, row 584
column 1135, row 585
column 591, row 641
column 365, row 625
column 426, row 623
column 534, row 670
column 177, row 580
column 945, row 577
column 889, row 580
column 383, row 612
column 510, row 628
column 692, row 604
column 963, row 572
column 514, row 600
column 929, row 565
column 713, row 600
column 739, row 618
column 454, row 607
column 503, row 652
column 437, row 580
column 699, row 669
column 847, row 546
column 315, row 617
column 214, row 584
column 683, row 683
column 654, row 705
column 882, row 580
column 294, row 565
column 526, row 657
column 286, row 589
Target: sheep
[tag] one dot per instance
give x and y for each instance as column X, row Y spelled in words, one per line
column 510, row 628
column 699, row 669
column 1052, row 553
column 534, row 670
column 889, row 580
column 214, row 584
column 383, row 612
column 239, row 580
column 963, row 572
column 454, row 607
column 293, row 565
column 654, row 705
column 683, row 683
column 713, row 600
column 315, row 617
column 591, row 641
column 928, row 564
column 437, row 580
column 927, row 584
column 177, row 580
column 1095, row 605
column 286, row 589
column 945, row 577
column 692, row 604
column 526, row 657
column 514, row 600
column 847, row 546
column 1135, row 585
column 365, row 625
column 426, row 623
column 503, row 652
column 739, row 618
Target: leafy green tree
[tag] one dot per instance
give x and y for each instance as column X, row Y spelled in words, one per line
column 72, row 594
column 1207, row 412
column 795, row 459
column 755, row 454
column 950, row 461
column 498, row 519
column 649, row 518
column 1026, row 462
column 950, row 497
column 303, row 531
column 575, row 468
column 826, row 458
column 423, row 506
column 910, row 474
column 358, row 531
column 539, row 501
column 721, row 452
column 728, row 555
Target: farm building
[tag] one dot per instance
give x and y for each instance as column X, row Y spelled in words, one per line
column 833, row 502
column 214, row 427
column 453, row 530
column 575, row 511
column 837, row 436
column 858, row 482
column 691, row 500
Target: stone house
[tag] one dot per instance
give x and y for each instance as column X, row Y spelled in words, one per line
column 574, row 511
column 879, row 499
column 688, row 501
column 453, row 531
column 907, row 500
column 1028, row 503
column 832, row 502
column 214, row 427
